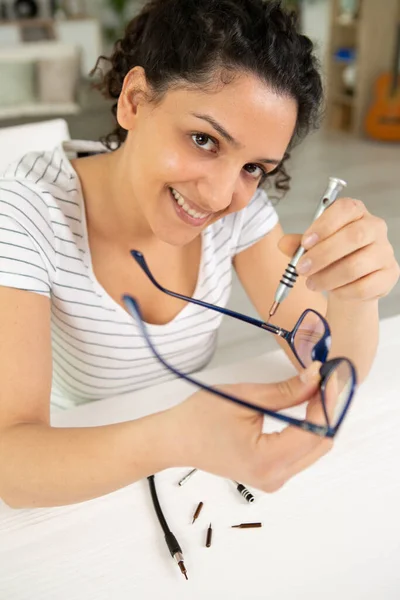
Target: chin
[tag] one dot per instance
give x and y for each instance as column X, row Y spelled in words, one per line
column 175, row 236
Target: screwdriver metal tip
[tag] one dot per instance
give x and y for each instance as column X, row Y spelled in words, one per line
column 182, row 567
column 198, row 511
column 273, row 309
column 209, row 537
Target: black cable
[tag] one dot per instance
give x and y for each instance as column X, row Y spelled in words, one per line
column 171, row 541
column 157, row 506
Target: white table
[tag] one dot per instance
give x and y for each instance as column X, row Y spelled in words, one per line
column 332, row 532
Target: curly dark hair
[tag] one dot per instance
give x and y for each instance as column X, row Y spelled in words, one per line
column 180, row 42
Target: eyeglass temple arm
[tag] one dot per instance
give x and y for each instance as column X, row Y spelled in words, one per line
column 139, row 258
column 134, row 311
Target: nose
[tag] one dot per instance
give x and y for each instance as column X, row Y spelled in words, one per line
column 220, row 187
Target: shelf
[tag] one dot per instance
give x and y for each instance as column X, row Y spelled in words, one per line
column 33, row 51
column 350, row 25
column 39, row 109
column 42, row 22
column 371, row 34
column 346, row 99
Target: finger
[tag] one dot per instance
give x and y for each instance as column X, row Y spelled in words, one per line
column 348, row 270
column 282, row 450
column 332, row 397
column 293, row 443
column 372, row 287
column 341, row 213
column 307, row 461
column 290, row 243
column 347, row 240
column 290, row 392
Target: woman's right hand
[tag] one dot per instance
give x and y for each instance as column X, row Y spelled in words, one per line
column 220, row 437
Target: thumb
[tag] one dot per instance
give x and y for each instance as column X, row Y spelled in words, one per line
column 296, row 390
column 288, row 244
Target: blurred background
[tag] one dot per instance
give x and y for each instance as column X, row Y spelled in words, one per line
column 49, row 47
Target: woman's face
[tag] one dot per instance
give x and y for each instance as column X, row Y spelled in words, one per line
column 198, row 156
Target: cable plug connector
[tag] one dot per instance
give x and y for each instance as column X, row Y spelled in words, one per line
column 176, row 552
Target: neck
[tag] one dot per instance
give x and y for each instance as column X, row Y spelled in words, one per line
column 111, row 209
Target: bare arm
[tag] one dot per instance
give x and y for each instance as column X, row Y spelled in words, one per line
column 45, row 466
column 354, row 325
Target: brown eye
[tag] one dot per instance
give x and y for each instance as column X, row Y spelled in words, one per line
column 255, row 171
column 202, row 140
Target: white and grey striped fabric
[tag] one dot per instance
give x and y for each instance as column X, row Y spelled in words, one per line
column 98, row 351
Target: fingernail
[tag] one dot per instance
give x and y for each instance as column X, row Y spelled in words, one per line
column 311, row 374
column 310, row 240
column 304, row 266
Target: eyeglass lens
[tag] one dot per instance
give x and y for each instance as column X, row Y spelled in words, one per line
column 337, row 391
column 308, row 335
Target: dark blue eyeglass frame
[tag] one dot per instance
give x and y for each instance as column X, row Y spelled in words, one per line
column 320, row 353
column 320, row 350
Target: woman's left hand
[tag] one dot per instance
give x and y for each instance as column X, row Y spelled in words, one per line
column 348, row 253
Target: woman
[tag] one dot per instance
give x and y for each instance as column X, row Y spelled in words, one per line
column 210, row 96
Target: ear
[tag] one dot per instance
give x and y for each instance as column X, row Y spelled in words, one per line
column 133, row 93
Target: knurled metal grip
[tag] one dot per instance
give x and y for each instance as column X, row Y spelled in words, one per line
column 290, row 276
column 248, row 496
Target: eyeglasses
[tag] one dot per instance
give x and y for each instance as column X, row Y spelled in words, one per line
column 309, row 340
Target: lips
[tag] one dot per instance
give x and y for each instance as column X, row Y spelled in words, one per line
column 192, row 209
column 191, row 219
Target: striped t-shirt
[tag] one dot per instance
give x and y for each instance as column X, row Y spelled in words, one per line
column 97, row 349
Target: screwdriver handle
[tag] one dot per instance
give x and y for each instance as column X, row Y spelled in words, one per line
column 248, row 496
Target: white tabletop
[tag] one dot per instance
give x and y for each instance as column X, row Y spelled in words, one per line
column 332, row 532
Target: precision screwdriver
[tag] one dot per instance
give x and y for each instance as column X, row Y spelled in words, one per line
column 290, row 275
column 243, row 491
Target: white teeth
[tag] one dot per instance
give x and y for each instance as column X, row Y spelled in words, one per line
column 185, row 206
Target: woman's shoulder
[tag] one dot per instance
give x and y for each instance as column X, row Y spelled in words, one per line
column 241, row 229
column 44, row 180
column 49, row 170
column 258, row 209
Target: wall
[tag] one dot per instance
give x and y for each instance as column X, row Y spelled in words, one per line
column 315, row 19
column 99, row 9
column 315, row 24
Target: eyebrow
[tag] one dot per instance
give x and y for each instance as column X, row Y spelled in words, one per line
column 229, row 138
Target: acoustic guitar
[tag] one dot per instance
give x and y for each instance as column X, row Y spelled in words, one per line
column 383, row 118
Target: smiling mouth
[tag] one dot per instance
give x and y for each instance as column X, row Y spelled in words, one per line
column 187, row 208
